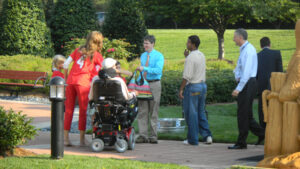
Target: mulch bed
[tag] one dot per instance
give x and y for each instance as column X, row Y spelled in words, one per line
column 18, row 152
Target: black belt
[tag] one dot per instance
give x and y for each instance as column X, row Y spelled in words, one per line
column 151, row 81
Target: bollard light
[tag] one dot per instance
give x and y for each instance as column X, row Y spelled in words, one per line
column 57, row 88
column 57, row 97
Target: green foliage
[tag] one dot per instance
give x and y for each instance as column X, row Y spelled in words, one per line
column 172, row 9
column 220, row 84
column 276, row 11
column 15, row 128
column 219, row 65
column 218, row 14
column 48, row 8
column 115, row 48
column 23, row 29
column 101, row 5
column 124, row 20
column 72, row 19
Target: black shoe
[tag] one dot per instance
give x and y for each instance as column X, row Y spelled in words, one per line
column 142, row 139
column 260, row 140
column 153, row 141
column 237, row 147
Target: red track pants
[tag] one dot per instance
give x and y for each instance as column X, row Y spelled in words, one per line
column 81, row 92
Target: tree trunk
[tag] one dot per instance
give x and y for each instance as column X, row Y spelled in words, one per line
column 221, row 54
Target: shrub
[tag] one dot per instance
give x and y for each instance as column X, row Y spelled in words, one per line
column 15, row 128
column 117, row 49
column 23, row 29
column 72, row 19
column 124, row 20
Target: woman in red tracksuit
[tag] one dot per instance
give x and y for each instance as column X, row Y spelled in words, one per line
column 87, row 61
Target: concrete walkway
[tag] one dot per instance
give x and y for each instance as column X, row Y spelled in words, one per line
column 203, row 156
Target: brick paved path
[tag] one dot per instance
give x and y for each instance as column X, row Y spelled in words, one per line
column 202, row 156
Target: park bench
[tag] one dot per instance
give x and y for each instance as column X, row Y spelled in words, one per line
column 23, row 80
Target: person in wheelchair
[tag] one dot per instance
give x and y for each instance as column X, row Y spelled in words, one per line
column 110, row 71
column 115, row 110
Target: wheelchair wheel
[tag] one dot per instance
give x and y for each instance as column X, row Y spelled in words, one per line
column 97, row 145
column 131, row 140
column 121, row 145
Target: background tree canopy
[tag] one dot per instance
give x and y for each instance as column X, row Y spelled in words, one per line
column 124, row 20
column 72, row 19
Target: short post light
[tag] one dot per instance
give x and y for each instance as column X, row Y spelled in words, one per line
column 57, row 97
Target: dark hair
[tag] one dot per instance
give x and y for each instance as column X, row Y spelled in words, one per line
column 150, row 38
column 242, row 32
column 107, row 73
column 195, row 40
column 118, row 63
column 264, row 42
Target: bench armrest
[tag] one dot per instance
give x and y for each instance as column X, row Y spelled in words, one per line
column 44, row 78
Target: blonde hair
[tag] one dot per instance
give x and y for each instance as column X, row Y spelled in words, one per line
column 94, row 42
column 57, row 59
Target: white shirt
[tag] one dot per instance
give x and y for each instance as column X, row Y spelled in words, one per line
column 246, row 67
column 194, row 67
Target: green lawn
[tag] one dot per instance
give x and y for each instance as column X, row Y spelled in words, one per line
column 172, row 43
column 222, row 120
column 78, row 162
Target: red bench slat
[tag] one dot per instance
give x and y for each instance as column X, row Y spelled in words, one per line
column 20, row 84
column 21, row 75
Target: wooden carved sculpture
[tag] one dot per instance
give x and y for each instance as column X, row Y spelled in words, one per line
column 282, row 115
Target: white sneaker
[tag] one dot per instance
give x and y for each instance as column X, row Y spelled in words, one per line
column 185, row 142
column 209, row 140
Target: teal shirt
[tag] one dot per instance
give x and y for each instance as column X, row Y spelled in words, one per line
column 156, row 65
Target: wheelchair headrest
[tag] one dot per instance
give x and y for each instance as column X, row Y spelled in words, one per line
column 107, row 73
column 108, row 89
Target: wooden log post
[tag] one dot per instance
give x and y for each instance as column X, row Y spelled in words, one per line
column 290, row 128
column 274, row 126
column 273, row 111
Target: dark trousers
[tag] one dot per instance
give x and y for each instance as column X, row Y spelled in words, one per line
column 245, row 113
column 260, row 112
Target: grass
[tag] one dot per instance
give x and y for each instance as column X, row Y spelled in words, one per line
column 222, row 120
column 78, row 162
column 173, row 42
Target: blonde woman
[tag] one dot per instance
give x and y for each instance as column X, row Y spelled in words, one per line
column 87, row 61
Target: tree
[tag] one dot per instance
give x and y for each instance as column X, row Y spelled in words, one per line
column 23, row 29
column 48, row 7
column 72, row 19
column 171, row 9
column 218, row 14
column 124, row 20
column 276, row 11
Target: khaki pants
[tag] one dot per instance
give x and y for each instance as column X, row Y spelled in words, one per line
column 148, row 111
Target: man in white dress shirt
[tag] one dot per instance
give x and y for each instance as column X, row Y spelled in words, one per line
column 245, row 75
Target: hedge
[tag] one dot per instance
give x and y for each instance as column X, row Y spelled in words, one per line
column 220, row 85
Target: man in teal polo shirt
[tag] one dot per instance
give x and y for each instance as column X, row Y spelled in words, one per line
column 152, row 63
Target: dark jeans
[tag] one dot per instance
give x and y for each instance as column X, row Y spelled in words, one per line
column 245, row 113
column 260, row 112
column 194, row 110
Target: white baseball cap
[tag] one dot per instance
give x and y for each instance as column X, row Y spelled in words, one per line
column 108, row 63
